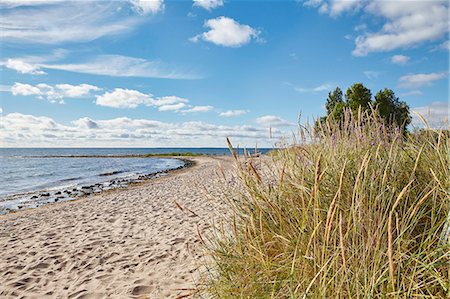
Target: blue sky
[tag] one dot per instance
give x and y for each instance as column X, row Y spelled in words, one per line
column 190, row 73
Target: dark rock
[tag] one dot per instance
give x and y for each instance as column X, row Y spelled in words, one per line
column 34, row 197
column 58, row 193
column 45, row 194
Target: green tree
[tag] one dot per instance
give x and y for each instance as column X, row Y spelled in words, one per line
column 333, row 99
column 358, row 96
column 391, row 109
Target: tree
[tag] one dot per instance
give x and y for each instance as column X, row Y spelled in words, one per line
column 391, row 109
column 333, row 99
column 358, row 96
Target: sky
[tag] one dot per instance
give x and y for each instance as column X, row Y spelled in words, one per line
column 191, row 73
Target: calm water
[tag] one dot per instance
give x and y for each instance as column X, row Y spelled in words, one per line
column 21, row 171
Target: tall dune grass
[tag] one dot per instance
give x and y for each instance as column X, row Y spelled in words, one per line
column 356, row 210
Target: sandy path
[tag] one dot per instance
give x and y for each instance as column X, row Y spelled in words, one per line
column 132, row 243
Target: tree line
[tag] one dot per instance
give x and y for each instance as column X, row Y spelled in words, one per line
column 386, row 103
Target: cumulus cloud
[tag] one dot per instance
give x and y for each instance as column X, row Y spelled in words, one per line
column 272, row 121
column 124, row 98
column 334, row 7
column 18, row 129
column 208, row 4
column 406, row 23
column 145, row 7
column 227, row 32
column 231, row 113
column 54, row 94
column 436, row 115
column 399, row 59
column 418, row 80
column 23, row 67
column 120, row 98
column 85, row 122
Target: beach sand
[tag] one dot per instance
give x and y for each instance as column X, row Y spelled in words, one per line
column 130, row 243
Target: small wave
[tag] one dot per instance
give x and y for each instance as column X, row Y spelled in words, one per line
column 70, row 179
column 111, row 173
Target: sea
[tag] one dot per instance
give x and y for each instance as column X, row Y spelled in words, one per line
column 27, row 171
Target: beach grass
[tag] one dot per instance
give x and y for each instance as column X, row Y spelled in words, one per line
column 355, row 209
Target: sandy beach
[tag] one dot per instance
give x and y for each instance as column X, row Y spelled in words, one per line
column 131, row 243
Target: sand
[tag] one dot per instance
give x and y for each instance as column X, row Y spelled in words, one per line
column 131, row 243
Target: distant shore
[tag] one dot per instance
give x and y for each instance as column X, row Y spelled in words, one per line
column 36, row 199
column 162, row 155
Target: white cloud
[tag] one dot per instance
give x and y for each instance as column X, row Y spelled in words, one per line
column 20, row 89
column 18, row 129
column 1, row 110
column 445, row 46
column 408, row 23
column 145, row 7
column 227, row 32
column 272, row 121
column 17, row 3
column 169, row 100
column 118, row 98
column 124, row 98
column 85, row 122
column 371, row 74
column 198, row 109
column 334, row 7
column 208, row 4
column 23, row 67
column 54, row 94
column 412, row 93
column 436, row 115
column 76, row 91
column 172, row 107
column 122, row 66
column 399, row 59
column 319, row 88
column 418, row 80
column 339, row 6
column 54, row 22
column 231, row 113
column 5, row 88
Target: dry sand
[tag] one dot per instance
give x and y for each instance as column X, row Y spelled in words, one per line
column 132, row 243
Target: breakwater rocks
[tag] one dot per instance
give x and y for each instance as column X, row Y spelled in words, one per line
column 37, row 199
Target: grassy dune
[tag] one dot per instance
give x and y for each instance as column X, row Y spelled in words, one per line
column 356, row 210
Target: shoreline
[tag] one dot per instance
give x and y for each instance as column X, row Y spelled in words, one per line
column 36, row 199
column 125, row 243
